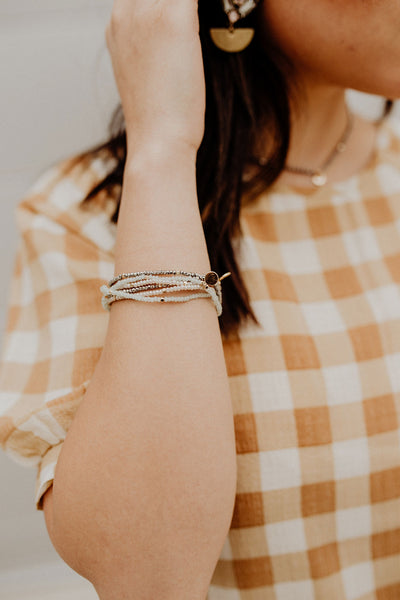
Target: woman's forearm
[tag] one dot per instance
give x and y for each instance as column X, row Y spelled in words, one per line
column 144, row 489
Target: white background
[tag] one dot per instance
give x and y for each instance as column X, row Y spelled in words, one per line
column 57, row 96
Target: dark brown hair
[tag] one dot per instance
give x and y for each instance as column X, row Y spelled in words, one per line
column 247, row 102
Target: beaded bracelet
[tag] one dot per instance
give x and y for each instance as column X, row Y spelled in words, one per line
column 159, row 286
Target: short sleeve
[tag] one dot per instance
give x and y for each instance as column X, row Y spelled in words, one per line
column 56, row 325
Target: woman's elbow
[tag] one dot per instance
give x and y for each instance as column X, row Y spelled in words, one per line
column 150, row 534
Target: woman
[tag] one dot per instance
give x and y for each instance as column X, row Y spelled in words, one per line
column 263, row 463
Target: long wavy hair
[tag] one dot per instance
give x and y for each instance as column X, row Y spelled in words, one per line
column 247, row 110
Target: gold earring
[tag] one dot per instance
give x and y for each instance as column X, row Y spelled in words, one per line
column 231, row 39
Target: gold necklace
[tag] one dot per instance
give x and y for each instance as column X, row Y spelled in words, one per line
column 319, row 176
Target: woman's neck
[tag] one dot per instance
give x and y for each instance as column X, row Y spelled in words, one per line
column 319, row 120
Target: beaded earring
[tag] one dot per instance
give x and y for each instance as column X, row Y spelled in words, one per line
column 230, row 39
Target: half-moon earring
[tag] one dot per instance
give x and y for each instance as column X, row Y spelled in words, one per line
column 231, row 39
column 228, row 38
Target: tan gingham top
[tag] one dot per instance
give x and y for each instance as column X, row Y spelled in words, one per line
column 315, row 389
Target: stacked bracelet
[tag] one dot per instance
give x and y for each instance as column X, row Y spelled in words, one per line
column 162, row 286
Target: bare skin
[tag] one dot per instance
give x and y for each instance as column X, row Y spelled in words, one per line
column 144, row 489
column 334, row 45
column 145, row 484
column 342, row 43
column 311, row 145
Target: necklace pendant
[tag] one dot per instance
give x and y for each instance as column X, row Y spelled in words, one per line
column 319, row 179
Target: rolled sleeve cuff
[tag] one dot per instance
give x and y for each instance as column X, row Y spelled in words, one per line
column 45, row 474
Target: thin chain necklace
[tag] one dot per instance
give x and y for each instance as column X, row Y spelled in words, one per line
column 319, row 176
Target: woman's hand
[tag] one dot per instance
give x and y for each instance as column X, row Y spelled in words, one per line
column 156, row 56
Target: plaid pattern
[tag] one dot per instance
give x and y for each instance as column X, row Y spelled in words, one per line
column 315, row 389
column 56, row 327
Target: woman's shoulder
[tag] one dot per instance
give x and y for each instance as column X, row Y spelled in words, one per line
column 383, row 174
column 388, row 140
column 59, row 193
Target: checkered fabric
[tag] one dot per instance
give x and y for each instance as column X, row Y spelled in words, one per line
column 315, row 388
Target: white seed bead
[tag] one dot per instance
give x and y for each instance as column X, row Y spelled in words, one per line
column 159, row 286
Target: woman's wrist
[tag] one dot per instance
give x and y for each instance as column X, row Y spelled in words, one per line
column 175, row 153
column 159, row 224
